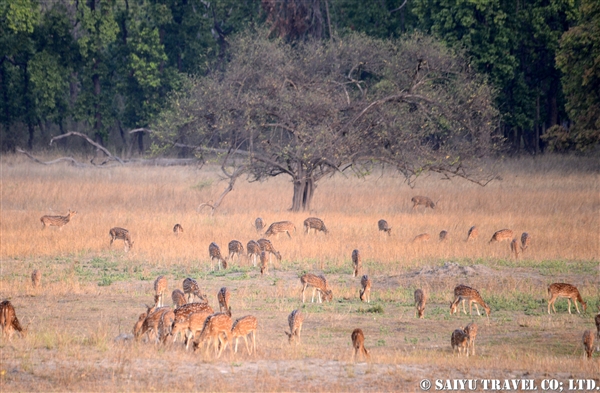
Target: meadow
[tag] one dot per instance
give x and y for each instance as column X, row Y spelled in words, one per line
column 92, row 293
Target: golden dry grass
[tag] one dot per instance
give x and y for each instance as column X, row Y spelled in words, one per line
column 91, row 293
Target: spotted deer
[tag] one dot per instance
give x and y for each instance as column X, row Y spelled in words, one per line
column 191, row 289
column 57, row 221
column 423, row 237
column 243, row 327
column 319, row 284
column 473, row 233
column 178, row 298
column 443, row 235
column 36, row 278
column 365, row 291
column 471, row 330
column 218, row 328
column 569, row 291
column 253, row 251
column 588, row 343
column 357, row 262
column 215, row 253
column 266, row 246
column 177, row 229
column 190, row 325
column 295, row 321
column 420, row 301
column 264, row 266
column 235, row 249
column 138, row 325
column 160, row 287
column 281, row 227
column 514, row 247
column 384, row 227
column 501, row 235
column 117, row 233
column 182, row 313
column 358, row 343
column 315, row 224
column 460, row 341
column 164, row 325
column 223, row 298
column 150, row 324
column 422, row 201
column 259, row 224
column 525, row 240
column 9, row 320
column 464, row 293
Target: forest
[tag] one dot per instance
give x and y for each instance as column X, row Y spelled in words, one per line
column 107, row 68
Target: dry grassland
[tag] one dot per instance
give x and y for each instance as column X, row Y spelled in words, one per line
column 91, row 293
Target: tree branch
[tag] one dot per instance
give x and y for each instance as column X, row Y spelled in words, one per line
column 61, row 159
column 399, row 8
column 99, row 147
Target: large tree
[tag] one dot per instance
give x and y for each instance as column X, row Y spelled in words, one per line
column 311, row 109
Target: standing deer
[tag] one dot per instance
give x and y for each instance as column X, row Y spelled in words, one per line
column 36, row 278
column 223, row 298
column 190, row 325
column 471, row 330
column 266, row 246
column 216, row 327
column 160, row 287
column 192, row 289
column 264, row 266
column 358, row 343
column 177, row 229
column 243, row 327
column 235, row 248
column 420, row 301
column 501, row 235
column 316, row 224
column 9, row 320
column 473, row 233
column 365, row 292
column 569, row 291
column 259, row 224
column 588, row 343
column 253, row 251
column 422, row 201
column 281, row 227
column 117, row 233
column 215, row 253
column 178, row 298
column 514, row 247
column 383, row 226
column 525, row 240
column 295, row 320
column 464, row 293
column 357, row 262
column 460, row 340
column 319, row 284
column 443, row 235
column 57, row 221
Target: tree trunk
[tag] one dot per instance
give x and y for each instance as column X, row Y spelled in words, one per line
column 304, row 189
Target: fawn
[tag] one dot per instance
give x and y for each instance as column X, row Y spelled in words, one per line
column 243, row 327
column 235, row 248
column 357, row 262
column 253, row 251
column 266, row 246
column 525, row 240
column 463, row 292
column 473, row 233
column 319, row 284
column 223, row 298
column 160, row 287
column 259, row 224
column 178, row 298
column 57, row 221
column 358, row 343
column 460, row 340
column 588, row 343
column 215, row 253
column 569, row 291
column 501, row 235
column 420, row 301
column 295, row 320
column 383, row 226
column 471, row 330
column 423, row 237
column 443, row 235
column 280, row 227
column 365, row 291
column 422, row 201
column 316, row 224
column 216, row 327
column 9, row 320
column 121, row 234
column 177, row 229
column 36, row 278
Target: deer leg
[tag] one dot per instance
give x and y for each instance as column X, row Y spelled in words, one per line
column 569, row 301
column 463, row 304
column 247, row 347
column 477, row 308
column 313, row 295
column 303, row 290
column 576, row 307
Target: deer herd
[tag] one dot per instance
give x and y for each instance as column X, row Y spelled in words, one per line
column 195, row 319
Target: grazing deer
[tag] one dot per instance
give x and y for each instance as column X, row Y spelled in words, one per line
column 357, row 262
column 235, row 248
column 178, row 298
column 319, row 284
column 365, row 291
column 188, row 309
column 460, row 340
column 280, row 227
column 358, row 343
column 117, row 233
column 420, row 301
column 266, row 246
column 215, row 253
column 316, row 224
column 9, row 320
column 150, row 324
column 190, row 325
column 423, row 237
column 471, row 330
column 216, row 327
column 243, row 327
column 443, row 235
column 501, row 235
column 177, row 229
column 569, row 291
column 295, row 320
column 525, row 240
column 192, row 289
column 259, row 224
column 264, row 266
column 138, row 325
column 588, row 343
column 164, row 325
column 422, row 201
column 514, row 247
column 160, row 287
column 463, row 293
column 473, row 233
column 57, row 221
column 36, row 278
column 253, row 251
column 223, row 298
column 383, row 226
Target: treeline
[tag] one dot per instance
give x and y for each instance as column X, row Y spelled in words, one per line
column 106, row 67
